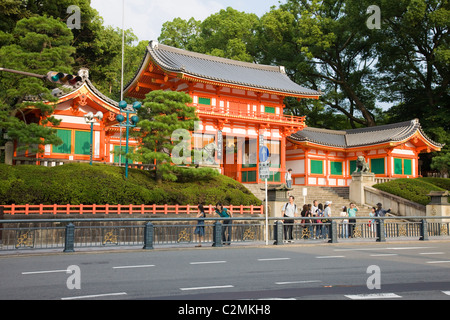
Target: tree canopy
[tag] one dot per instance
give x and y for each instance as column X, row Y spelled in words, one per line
column 369, row 76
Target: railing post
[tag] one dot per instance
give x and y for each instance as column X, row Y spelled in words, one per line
column 424, row 230
column 217, row 234
column 148, row 236
column 333, row 232
column 278, row 233
column 381, row 231
column 69, row 244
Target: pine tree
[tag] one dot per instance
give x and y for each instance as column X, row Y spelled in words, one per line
column 162, row 114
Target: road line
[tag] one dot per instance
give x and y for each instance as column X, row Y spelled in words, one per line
column 373, row 296
column 274, row 259
column 134, row 267
column 298, row 282
column 432, row 262
column 409, row 248
column 96, row 296
column 43, row 272
column 330, row 257
column 206, row 288
column 429, row 253
column 208, row 262
column 446, row 292
column 384, row 255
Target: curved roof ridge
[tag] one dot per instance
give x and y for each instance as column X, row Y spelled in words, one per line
column 156, row 45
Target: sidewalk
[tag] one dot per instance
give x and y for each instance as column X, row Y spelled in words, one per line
column 208, row 245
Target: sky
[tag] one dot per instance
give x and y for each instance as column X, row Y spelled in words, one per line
column 146, row 17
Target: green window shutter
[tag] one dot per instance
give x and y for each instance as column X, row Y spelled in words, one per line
column 316, row 167
column 377, row 166
column 205, row 101
column 407, row 166
column 269, row 110
column 82, row 143
column 66, row 137
column 251, row 176
column 336, row 168
column 352, row 166
column 398, row 166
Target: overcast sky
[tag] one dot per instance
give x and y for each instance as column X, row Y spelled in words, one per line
column 146, row 17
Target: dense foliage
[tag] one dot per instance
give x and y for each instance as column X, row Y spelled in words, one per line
column 102, row 184
column 415, row 190
column 324, row 45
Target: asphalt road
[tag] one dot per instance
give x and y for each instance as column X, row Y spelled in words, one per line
column 398, row 271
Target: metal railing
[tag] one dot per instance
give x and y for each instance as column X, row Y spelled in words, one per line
column 72, row 234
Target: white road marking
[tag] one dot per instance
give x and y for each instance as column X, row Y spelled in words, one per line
column 446, row 292
column 373, row 296
column 435, row 262
column 274, row 259
column 330, row 257
column 384, row 255
column 134, row 267
column 43, row 272
column 396, row 248
column 208, row 262
column 96, row 296
column 298, row 282
column 206, row 288
column 430, row 253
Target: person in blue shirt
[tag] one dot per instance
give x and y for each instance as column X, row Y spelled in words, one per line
column 226, row 224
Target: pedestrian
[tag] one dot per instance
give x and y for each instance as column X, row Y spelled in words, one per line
column 372, row 221
column 306, row 224
column 344, row 215
column 289, row 210
column 381, row 213
column 326, row 214
column 314, row 214
column 319, row 214
column 352, row 210
column 226, row 224
column 288, row 178
column 200, row 228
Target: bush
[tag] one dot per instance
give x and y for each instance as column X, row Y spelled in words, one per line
column 101, row 184
column 415, row 190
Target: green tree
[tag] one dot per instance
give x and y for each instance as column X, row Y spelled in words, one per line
column 38, row 45
column 162, row 113
column 326, row 45
column 228, row 34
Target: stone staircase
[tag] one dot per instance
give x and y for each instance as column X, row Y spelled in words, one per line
column 339, row 196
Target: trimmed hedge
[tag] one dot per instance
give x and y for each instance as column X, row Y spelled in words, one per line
column 102, row 184
column 415, row 190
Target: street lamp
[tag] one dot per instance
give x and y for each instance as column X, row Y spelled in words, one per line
column 90, row 118
column 128, row 123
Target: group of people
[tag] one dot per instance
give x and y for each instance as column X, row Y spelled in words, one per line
column 317, row 222
column 226, row 224
column 317, row 226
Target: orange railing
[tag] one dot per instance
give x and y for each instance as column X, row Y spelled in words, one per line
column 234, row 111
column 108, row 209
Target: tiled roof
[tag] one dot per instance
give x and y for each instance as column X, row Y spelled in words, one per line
column 210, row 68
column 362, row 137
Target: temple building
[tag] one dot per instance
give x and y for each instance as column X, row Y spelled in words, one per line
column 241, row 108
column 74, row 103
column 321, row 157
column 240, row 105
